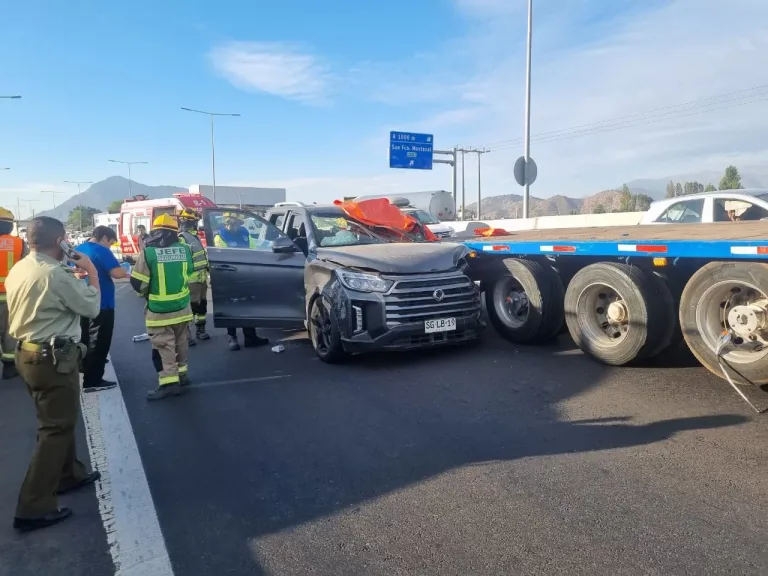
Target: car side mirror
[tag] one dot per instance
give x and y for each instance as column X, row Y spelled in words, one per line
column 283, row 245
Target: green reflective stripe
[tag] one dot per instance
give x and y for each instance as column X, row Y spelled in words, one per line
column 8, row 356
column 140, row 277
column 169, row 321
column 3, row 298
column 161, row 279
column 183, row 369
column 169, row 297
column 198, row 253
column 10, row 260
column 2, row 279
column 166, row 380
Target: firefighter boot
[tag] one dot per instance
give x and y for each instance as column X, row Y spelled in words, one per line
column 201, row 333
column 165, row 391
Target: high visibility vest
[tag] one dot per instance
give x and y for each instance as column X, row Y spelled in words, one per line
column 199, row 257
column 169, row 269
column 11, row 251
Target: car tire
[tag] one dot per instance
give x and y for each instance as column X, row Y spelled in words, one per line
column 537, row 290
column 324, row 332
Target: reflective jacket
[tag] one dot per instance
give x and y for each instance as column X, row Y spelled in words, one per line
column 199, row 257
column 239, row 239
column 12, row 249
column 161, row 276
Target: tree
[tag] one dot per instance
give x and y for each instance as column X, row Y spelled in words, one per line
column 731, row 180
column 114, row 206
column 599, row 209
column 625, row 199
column 81, row 218
column 670, row 189
column 678, row 189
column 641, row 203
column 710, row 188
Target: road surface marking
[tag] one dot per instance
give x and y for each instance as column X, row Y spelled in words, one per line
column 135, row 540
column 240, row 381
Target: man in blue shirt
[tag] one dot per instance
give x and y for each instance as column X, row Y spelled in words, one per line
column 97, row 333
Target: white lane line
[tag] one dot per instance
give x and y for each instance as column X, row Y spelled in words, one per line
column 135, row 540
column 240, row 381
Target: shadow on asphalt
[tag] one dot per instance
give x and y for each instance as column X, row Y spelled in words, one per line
column 230, row 465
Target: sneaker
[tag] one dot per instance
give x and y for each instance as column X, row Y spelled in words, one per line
column 103, row 385
column 233, row 345
column 191, row 342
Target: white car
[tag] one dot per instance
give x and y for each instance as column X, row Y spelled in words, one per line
column 719, row 206
column 439, row 229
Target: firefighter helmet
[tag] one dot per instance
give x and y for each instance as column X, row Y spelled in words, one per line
column 189, row 214
column 165, row 222
column 6, row 215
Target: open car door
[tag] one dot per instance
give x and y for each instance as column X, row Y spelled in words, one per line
column 257, row 272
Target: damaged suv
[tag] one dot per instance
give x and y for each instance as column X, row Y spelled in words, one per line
column 353, row 286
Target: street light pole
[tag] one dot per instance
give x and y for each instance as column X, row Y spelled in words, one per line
column 53, row 195
column 79, row 182
column 11, row 97
column 527, row 147
column 479, row 152
column 212, row 116
column 129, row 164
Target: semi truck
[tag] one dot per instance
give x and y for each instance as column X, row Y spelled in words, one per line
column 626, row 295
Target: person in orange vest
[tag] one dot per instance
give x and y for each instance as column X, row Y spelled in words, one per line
column 12, row 249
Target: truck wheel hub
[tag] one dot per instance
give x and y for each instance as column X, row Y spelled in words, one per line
column 747, row 320
column 617, row 312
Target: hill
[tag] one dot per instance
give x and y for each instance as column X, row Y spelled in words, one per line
column 511, row 205
column 102, row 194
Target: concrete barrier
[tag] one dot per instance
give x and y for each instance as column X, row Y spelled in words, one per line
column 549, row 222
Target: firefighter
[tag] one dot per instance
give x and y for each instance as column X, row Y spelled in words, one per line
column 234, row 235
column 160, row 276
column 198, row 279
column 12, row 249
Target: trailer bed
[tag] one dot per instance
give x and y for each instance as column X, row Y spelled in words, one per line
column 721, row 240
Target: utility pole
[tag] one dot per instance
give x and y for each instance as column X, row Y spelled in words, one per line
column 463, row 152
column 18, row 207
column 53, row 195
column 79, row 182
column 129, row 164
column 527, row 147
column 212, row 115
column 479, row 152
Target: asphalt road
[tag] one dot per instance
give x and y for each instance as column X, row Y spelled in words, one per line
column 479, row 460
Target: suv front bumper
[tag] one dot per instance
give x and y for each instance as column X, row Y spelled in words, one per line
column 397, row 320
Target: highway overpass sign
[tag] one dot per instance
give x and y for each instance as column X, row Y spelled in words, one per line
column 410, row 151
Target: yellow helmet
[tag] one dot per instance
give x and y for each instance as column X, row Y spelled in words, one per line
column 231, row 216
column 165, row 222
column 6, row 215
column 189, row 214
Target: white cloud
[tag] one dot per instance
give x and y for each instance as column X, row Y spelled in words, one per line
column 280, row 69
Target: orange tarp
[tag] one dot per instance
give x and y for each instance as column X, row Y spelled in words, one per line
column 491, row 232
column 380, row 212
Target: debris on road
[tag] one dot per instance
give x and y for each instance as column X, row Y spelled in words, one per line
column 141, row 337
column 277, row 349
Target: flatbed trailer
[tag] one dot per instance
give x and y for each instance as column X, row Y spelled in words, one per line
column 627, row 294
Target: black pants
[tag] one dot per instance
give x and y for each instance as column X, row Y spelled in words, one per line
column 248, row 333
column 97, row 335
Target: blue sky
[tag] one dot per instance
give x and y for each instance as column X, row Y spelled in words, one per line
column 320, row 84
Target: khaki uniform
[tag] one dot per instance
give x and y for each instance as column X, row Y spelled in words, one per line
column 46, row 300
column 167, row 332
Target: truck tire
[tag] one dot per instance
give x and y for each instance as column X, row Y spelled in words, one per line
column 525, row 303
column 669, row 312
column 324, row 333
column 615, row 314
column 708, row 299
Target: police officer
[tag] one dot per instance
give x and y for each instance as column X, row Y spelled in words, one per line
column 198, row 279
column 12, row 249
column 45, row 302
column 234, row 235
column 160, row 276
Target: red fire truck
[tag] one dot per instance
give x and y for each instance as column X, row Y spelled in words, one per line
column 140, row 210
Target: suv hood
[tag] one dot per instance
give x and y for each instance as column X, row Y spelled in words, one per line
column 397, row 258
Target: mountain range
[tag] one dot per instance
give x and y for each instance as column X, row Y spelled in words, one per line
column 101, row 194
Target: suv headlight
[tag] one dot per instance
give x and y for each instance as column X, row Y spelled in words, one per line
column 363, row 282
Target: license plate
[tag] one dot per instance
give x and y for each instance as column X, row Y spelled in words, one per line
column 439, row 325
